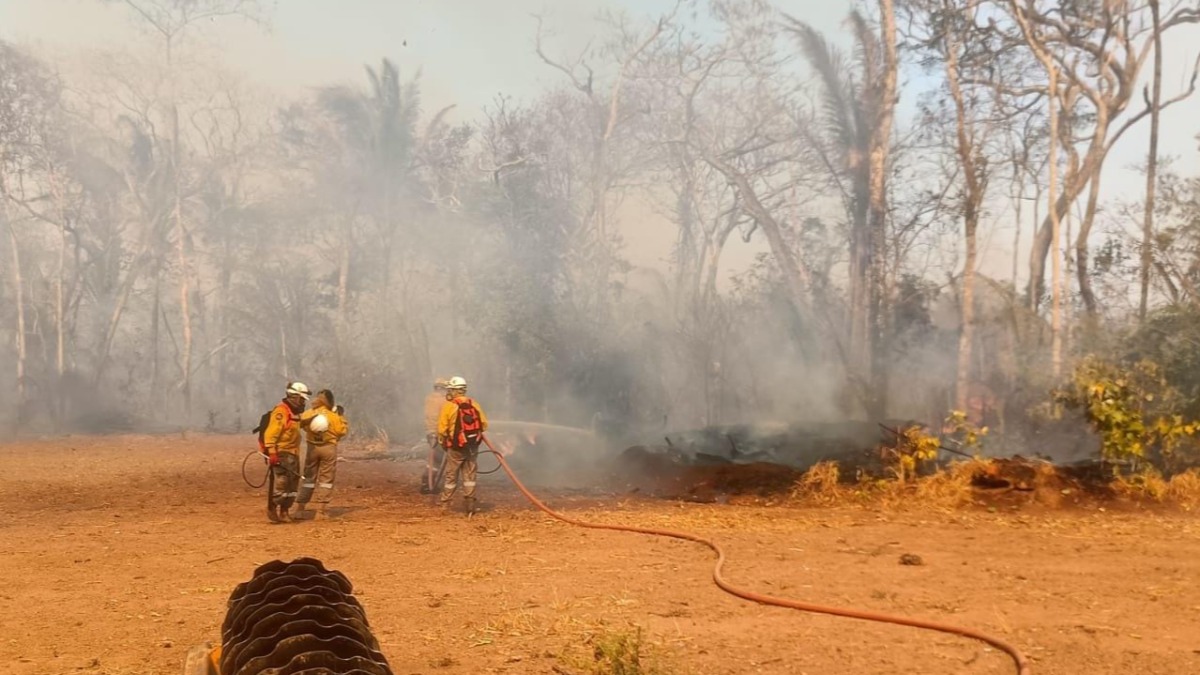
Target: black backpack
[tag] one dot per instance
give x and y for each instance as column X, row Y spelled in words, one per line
column 261, row 430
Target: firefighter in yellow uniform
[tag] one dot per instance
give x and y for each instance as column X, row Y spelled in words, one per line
column 282, row 442
column 433, row 409
column 325, row 426
column 460, row 429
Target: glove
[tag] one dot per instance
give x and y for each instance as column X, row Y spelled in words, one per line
column 273, row 459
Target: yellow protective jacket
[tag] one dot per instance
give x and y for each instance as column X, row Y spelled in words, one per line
column 449, row 416
column 283, row 430
column 338, row 426
column 433, row 410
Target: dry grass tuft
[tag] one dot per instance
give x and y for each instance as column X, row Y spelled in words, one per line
column 619, row 651
column 1184, row 489
column 959, row 483
column 820, row 484
column 1147, row 484
column 952, row 486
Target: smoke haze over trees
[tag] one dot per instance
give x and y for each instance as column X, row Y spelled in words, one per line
column 177, row 244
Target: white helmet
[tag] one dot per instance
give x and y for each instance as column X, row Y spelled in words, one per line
column 456, row 382
column 299, row 389
column 319, row 424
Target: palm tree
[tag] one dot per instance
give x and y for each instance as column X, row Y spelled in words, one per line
column 857, row 99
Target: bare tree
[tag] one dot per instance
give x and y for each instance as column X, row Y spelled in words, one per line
column 949, row 32
column 859, row 123
column 28, row 95
column 1046, row 58
column 172, row 20
column 1097, row 49
column 1155, row 104
column 611, row 156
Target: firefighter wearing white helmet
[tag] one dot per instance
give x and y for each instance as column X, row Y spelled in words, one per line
column 325, row 427
column 282, row 443
column 460, row 430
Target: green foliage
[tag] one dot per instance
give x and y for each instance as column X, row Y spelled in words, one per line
column 1171, row 338
column 969, row 436
column 915, row 445
column 1133, row 408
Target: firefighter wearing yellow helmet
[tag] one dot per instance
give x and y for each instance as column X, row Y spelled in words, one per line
column 433, row 408
column 326, row 426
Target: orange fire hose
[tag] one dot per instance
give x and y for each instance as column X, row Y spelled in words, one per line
column 1018, row 658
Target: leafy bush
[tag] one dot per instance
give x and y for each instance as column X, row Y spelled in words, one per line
column 1133, row 408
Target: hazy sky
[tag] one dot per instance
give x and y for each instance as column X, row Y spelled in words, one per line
column 471, row 50
column 468, row 50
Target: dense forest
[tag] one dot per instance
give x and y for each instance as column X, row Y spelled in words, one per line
column 175, row 248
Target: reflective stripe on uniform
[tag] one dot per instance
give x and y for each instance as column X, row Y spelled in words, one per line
column 468, row 483
column 310, row 485
column 326, row 485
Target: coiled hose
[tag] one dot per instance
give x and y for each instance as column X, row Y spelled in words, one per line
column 1019, row 659
column 296, row 618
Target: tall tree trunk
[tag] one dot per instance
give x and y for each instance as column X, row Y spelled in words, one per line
column 185, row 311
column 1082, row 254
column 881, row 139
column 19, row 293
column 1044, row 241
column 154, row 333
column 59, row 309
column 1055, row 235
column 19, row 288
column 1016, row 256
column 1151, row 167
column 114, row 320
column 185, row 384
column 973, row 187
column 1037, row 218
column 1068, row 311
column 342, row 289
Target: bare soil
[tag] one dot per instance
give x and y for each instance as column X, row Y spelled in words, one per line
column 118, row 553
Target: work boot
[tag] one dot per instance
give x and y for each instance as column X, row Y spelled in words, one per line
column 272, row 515
column 283, row 515
column 301, row 509
column 469, row 506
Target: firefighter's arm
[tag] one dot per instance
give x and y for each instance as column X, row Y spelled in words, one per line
column 274, row 431
column 307, row 416
column 482, row 418
column 338, row 426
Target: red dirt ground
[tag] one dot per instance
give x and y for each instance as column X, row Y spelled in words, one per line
column 118, row 554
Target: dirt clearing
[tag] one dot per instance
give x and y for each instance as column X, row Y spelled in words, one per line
column 118, row 555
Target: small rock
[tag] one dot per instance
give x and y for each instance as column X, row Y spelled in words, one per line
column 911, row 559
